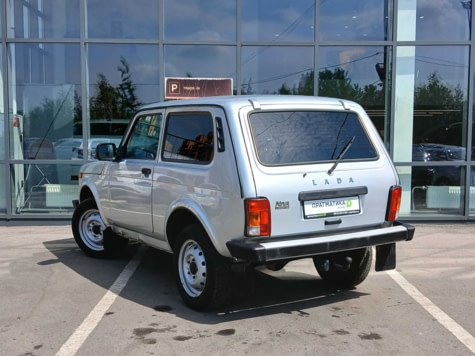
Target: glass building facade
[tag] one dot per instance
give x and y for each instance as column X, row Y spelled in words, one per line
column 72, row 72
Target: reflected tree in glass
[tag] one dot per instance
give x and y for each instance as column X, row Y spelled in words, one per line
column 438, row 112
column 115, row 102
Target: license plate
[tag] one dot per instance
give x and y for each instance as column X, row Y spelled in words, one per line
column 325, row 208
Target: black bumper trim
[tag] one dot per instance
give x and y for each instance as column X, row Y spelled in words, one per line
column 271, row 250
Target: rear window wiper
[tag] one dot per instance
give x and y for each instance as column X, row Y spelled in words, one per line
column 340, row 156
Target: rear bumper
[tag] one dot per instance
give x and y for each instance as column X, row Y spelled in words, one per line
column 262, row 251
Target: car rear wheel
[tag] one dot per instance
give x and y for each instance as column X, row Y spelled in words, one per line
column 202, row 274
column 345, row 269
column 88, row 229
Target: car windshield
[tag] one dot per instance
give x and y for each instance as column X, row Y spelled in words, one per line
column 298, row 137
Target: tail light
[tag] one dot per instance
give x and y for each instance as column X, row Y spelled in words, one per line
column 257, row 217
column 394, row 203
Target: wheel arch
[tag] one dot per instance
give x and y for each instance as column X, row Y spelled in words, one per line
column 86, row 192
column 185, row 214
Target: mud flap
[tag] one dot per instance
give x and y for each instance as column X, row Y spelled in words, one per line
column 385, row 257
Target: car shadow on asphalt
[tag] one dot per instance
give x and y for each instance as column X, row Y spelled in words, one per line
column 255, row 294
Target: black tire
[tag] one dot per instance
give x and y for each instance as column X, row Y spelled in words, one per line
column 88, row 229
column 357, row 272
column 202, row 275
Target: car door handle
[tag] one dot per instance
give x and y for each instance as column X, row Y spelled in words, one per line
column 146, row 171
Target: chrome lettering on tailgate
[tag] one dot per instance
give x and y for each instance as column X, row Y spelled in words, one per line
column 281, row 205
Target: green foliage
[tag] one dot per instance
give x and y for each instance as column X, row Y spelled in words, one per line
column 439, row 110
column 41, row 120
column 115, row 102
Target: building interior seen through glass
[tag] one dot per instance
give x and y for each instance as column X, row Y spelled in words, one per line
column 74, row 72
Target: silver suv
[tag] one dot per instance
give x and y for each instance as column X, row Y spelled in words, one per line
column 230, row 183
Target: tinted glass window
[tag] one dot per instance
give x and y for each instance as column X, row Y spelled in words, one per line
column 211, row 20
column 143, row 143
column 200, row 61
column 277, row 70
column 44, row 95
column 362, row 20
column 122, row 19
column 434, row 21
column 311, row 136
column 189, row 138
column 278, row 20
column 43, row 19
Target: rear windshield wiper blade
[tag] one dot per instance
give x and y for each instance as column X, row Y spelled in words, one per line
column 340, row 156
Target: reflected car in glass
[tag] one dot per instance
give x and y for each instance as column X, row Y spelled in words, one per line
column 437, row 175
column 78, row 152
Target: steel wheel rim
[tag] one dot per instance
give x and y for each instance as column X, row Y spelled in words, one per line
column 91, row 228
column 192, row 268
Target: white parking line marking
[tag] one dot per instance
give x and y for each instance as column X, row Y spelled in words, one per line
column 75, row 341
column 446, row 321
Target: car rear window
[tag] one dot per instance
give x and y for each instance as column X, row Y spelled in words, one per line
column 297, row 137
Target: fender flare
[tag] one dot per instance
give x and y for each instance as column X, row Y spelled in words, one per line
column 200, row 215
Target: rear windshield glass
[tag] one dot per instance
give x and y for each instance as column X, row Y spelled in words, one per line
column 295, row 137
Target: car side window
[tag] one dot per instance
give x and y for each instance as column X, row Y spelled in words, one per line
column 189, row 137
column 143, row 141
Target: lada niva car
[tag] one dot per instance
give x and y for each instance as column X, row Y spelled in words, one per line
column 228, row 182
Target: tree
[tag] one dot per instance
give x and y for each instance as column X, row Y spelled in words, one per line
column 336, row 84
column 106, row 104
column 128, row 99
column 443, row 107
column 115, row 102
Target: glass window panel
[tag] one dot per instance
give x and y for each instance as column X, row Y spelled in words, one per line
column 122, row 19
column 43, row 19
column 342, row 20
column 44, row 94
column 277, row 70
column 432, row 191
column 441, row 21
column 143, row 141
column 2, row 113
column 44, row 188
column 211, row 20
column 200, row 61
column 189, row 138
column 121, row 78
column 472, row 190
column 472, row 147
column 440, row 101
column 358, row 74
column 278, row 20
column 3, row 189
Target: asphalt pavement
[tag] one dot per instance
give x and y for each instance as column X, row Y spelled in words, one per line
column 57, row 301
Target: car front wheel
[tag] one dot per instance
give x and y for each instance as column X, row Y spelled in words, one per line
column 88, row 229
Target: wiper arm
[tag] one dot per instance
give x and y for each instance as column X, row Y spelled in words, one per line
column 340, row 156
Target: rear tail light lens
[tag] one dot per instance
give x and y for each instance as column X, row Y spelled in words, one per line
column 394, row 203
column 257, row 217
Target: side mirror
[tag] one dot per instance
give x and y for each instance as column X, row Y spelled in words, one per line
column 106, row 151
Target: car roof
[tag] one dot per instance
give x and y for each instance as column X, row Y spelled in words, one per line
column 255, row 100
